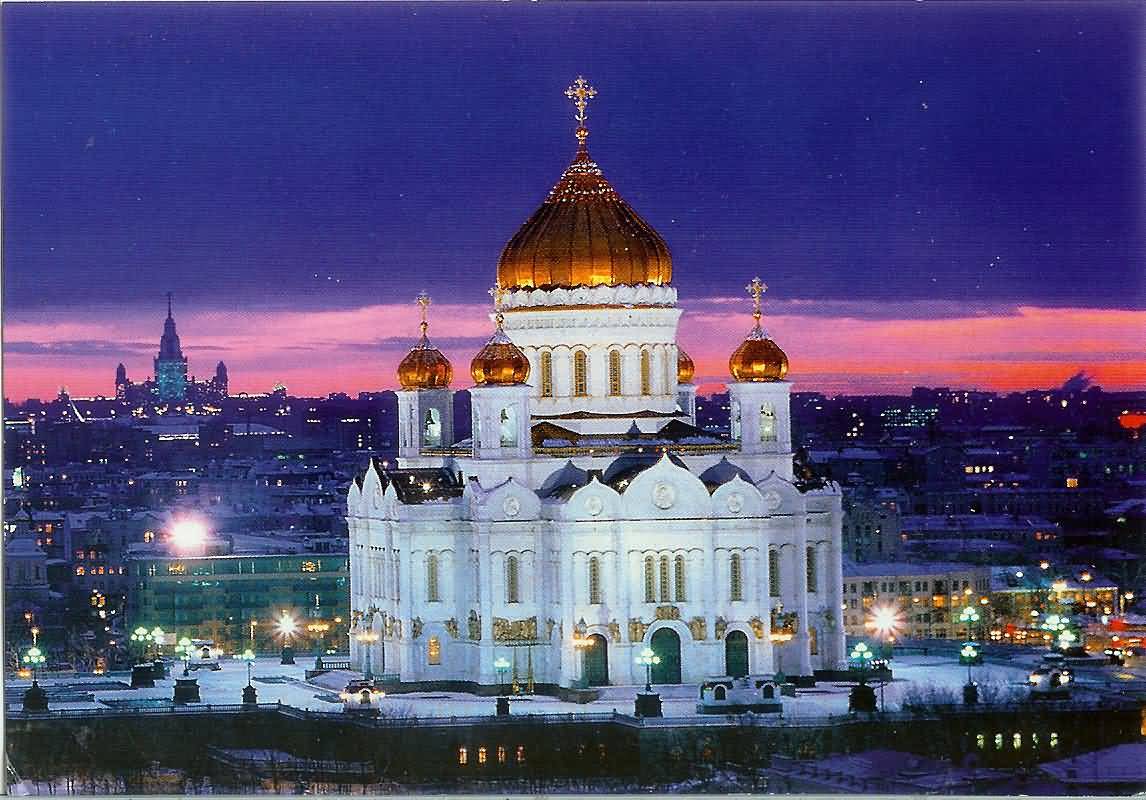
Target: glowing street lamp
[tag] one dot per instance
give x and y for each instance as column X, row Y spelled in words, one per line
column 886, row 621
column 501, row 666
column 969, row 616
column 368, row 638
column 248, row 655
column 34, row 658
column 141, row 636
column 648, row 658
column 184, row 649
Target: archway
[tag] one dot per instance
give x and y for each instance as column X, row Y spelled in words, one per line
column 666, row 644
column 596, row 661
column 736, row 654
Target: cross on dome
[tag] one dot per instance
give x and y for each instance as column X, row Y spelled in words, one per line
column 423, row 300
column 580, row 92
column 756, row 289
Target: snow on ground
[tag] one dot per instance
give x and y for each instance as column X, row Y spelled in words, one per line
column 276, row 682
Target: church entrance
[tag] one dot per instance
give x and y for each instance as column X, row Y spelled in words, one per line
column 736, row 654
column 666, row 644
column 596, row 661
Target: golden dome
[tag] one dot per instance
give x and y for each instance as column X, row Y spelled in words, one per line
column 685, row 369
column 500, row 362
column 758, row 358
column 424, row 367
column 584, row 234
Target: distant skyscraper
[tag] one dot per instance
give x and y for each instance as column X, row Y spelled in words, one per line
column 121, row 382
column 221, row 379
column 170, row 364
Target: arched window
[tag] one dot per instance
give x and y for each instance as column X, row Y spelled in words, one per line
column 678, row 578
column 432, row 428
column 767, row 423
column 650, row 581
column 431, row 579
column 508, row 419
column 735, row 578
column 646, row 372
column 614, row 373
column 580, row 374
column 810, row 569
column 813, row 641
column 734, row 419
column 664, row 579
column 511, row 586
column 546, row 374
column 774, row 573
column 594, row 581
column 434, row 653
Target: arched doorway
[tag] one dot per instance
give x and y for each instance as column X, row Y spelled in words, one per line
column 666, row 644
column 596, row 661
column 736, row 654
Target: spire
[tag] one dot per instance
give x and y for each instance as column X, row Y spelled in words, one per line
column 423, row 300
column 496, row 293
column 169, row 306
column 580, row 92
column 756, row 289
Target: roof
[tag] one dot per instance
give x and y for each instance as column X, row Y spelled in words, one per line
column 1124, row 763
column 890, row 569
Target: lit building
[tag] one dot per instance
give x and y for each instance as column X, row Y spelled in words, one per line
column 925, row 598
column 588, row 517
column 170, row 364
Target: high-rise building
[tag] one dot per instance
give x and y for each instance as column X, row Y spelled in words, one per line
column 170, row 364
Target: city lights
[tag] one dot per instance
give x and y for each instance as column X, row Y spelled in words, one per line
column 188, row 534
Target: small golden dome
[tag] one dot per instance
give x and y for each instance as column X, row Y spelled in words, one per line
column 685, row 369
column 500, row 362
column 424, row 367
column 758, row 358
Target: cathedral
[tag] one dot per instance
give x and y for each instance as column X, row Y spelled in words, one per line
column 587, row 518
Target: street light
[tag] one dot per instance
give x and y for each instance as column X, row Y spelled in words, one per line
column 188, row 534
column 248, row 655
column 969, row 655
column 184, row 648
column 648, row 658
column 34, row 658
column 368, row 638
column 969, row 616
column 501, row 666
column 886, row 622
column 141, row 636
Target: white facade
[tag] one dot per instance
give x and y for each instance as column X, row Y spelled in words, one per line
column 587, row 519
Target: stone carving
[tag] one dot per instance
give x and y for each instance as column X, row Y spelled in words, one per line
column 784, row 624
column 757, row 627
column 451, row 627
column 772, row 500
column 514, row 630
column 594, row 505
column 664, row 495
column 397, row 628
column 721, row 627
column 474, row 626
column 637, row 630
column 698, row 627
column 736, row 502
column 550, row 625
column 511, row 507
column 667, row 612
column 596, row 295
column 580, row 628
column 614, row 630
column 416, row 628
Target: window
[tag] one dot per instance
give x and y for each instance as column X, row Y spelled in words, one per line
column 614, row 373
column 678, row 578
column 521, row 754
column 735, row 578
column 646, row 373
column 650, row 588
column 767, row 423
column 434, row 657
column 580, row 374
column 998, row 741
column 431, row 579
column 309, row 566
column 80, row 570
column 594, row 581
column 547, row 374
column 810, row 569
column 501, row 754
column 432, row 428
column 813, row 642
column 980, row 741
column 508, row 419
column 664, row 579
column 481, row 755
column 149, row 536
column 734, row 419
column 463, row 756
column 1017, row 741
column 774, row 573
column 1053, row 740
column 511, row 585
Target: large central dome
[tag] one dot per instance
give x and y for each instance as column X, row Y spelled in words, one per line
column 584, row 234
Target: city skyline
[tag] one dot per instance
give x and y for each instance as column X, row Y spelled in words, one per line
column 977, row 189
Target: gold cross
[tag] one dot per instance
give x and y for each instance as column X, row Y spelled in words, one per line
column 756, row 289
column 424, row 301
column 496, row 293
column 581, row 93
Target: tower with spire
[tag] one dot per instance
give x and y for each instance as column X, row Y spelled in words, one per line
column 170, row 364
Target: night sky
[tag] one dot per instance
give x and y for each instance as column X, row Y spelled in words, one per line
column 936, row 194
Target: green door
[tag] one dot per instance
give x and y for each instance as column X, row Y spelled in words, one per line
column 736, row 654
column 666, row 644
column 596, row 662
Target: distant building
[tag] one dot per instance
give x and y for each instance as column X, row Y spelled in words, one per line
column 170, row 364
column 923, row 596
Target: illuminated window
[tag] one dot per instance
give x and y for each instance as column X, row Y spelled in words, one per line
column 980, row 741
column 594, row 581
column 810, row 569
column 1054, row 740
column 767, row 423
column 176, row 569
column 735, row 578
column 998, row 741
column 508, row 419
column 1017, row 741
column 650, row 582
column 646, row 372
column 774, row 573
column 614, row 373
column 678, row 578
column 434, row 654
column 580, row 374
column 664, row 579
column 463, row 756
column 511, row 583
column 80, row 570
column 309, row 566
column 521, row 754
column 546, row 374
column 481, row 755
column 431, row 579
column 149, row 536
column 502, row 756
column 1072, row 483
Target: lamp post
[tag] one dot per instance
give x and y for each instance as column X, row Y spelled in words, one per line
column 969, row 655
column 862, row 697
column 367, row 639
column 35, row 699
column 141, row 636
column 250, row 694
column 1122, row 600
column 969, row 616
column 648, row 658
column 184, row 649
column 501, row 666
column 648, row 702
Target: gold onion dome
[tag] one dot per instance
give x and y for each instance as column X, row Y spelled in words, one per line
column 685, row 369
column 584, row 234
column 500, row 362
column 424, row 367
column 758, row 358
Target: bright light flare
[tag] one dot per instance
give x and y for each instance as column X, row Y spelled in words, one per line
column 886, row 621
column 286, row 626
column 188, row 534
